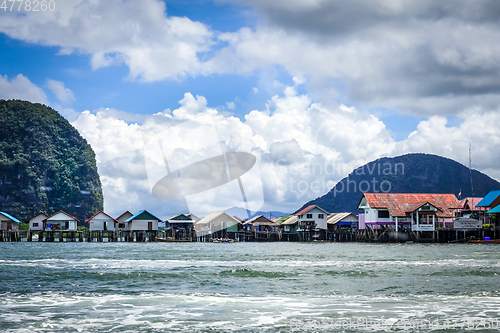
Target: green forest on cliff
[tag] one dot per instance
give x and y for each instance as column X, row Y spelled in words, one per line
column 45, row 164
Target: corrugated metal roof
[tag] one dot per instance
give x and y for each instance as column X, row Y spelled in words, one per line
column 282, row 219
column 10, row 217
column 489, row 198
column 336, row 217
column 398, row 204
column 292, row 220
column 212, row 216
column 265, row 222
column 193, row 217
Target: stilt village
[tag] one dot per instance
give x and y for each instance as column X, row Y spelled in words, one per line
column 383, row 217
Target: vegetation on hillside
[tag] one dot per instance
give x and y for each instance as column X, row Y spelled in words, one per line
column 45, row 165
column 411, row 173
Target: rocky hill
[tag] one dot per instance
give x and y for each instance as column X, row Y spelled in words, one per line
column 411, row 173
column 45, row 165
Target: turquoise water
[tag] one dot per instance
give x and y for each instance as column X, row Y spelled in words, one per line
column 250, row 287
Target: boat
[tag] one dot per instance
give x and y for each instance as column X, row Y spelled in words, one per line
column 222, row 240
column 171, row 240
column 482, row 241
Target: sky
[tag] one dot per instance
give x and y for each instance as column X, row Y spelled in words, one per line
column 311, row 88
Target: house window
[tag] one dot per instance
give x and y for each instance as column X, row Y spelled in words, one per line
column 383, row 214
column 121, row 225
column 321, row 216
column 309, row 216
column 35, row 224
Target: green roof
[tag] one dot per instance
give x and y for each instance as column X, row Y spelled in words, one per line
column 142, row 215
column 283, row 219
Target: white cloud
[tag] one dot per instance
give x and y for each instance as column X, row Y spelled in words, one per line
column 288, row 138
column 138, row 34
column 63, row 94
column 20, row 87
column 303, row 148
column 431, row 68
column 418, row 56
column 437, row 137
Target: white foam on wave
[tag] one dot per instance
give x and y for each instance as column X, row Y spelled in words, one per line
column 63, row 312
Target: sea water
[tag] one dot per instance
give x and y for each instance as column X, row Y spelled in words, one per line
column 248, row 287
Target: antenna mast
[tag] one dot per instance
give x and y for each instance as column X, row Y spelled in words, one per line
column 470, row 168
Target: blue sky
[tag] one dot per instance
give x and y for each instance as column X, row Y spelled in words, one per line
column 296, row 83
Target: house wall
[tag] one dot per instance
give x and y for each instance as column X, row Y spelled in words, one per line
column 37, row 219
column 361, row 221
column 320, row 223
column 97, row 223
column 142, row 225
column 186, row 224
column 61, row 219
column 121, row 220
column 371, row 216
column 7, row 224
column 122, row 226
column 290, row 228
column 223, row 221
column 71, row 224
column 354, row 220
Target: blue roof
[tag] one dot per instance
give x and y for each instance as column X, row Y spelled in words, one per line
column 494, row 210
column 10, row 217
column 488, row 199
column 140, row 213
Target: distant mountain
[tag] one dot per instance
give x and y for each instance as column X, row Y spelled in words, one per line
column 242, row 213
column 411, row 173
column 45, row 165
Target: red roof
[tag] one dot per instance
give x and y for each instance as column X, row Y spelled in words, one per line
column 104, row 214
column 74, row 218
column 308, row 208
column 236, row 217
column 305, row 210
column 399, row 204
column 471, row 202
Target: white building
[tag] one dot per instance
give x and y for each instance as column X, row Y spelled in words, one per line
column 121, row 220
column 102, row 221
column 61, row 221
column 312, row 217
column 36, row 222
column 342, row 221
column 8, row 222
column 142, row 221
column 215, row 222
column 421, row 211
